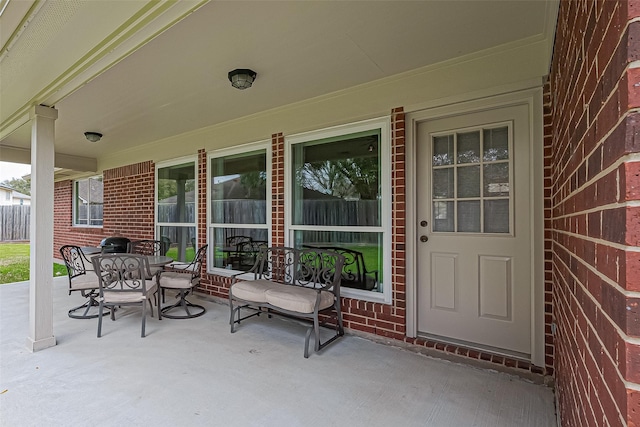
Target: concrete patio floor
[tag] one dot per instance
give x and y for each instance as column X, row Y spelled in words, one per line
column 196, row 373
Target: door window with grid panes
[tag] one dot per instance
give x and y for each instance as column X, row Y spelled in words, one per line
column 471, row 183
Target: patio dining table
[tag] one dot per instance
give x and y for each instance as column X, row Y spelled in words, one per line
column 158, row 260
column 90, row 250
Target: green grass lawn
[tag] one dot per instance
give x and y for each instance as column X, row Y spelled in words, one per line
column 14, row 263
column 190, row 254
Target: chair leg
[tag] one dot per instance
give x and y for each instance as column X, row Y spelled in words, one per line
column 340, row 330
column 90, row 303
column 144, row 318
column 231, row 314
column 100, row 318
column 184, row 304
column 316, row 327
column 150, row 306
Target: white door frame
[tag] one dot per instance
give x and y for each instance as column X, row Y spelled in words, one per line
column 532, row 97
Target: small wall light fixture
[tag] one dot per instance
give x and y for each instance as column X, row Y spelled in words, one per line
column 242, row 78
column 93, row 136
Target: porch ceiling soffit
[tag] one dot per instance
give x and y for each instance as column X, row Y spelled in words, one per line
column 31, row 64
column 301, row 51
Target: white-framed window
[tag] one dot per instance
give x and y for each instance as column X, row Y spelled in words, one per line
column 239, row 206
column 338, row 196
column 176, row 215
column 87, row 202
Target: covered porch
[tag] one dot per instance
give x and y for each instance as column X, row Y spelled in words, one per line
column 195, row 372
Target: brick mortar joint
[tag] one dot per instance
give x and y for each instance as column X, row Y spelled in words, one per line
column 597, row 304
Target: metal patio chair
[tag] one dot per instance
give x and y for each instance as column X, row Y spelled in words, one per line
column 147, row 247
column 81, row 279
column 183, row 278
column 123, row 282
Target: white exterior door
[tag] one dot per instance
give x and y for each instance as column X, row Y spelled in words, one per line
column 474, row 229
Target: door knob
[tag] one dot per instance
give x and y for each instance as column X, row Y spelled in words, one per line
column 423, row 238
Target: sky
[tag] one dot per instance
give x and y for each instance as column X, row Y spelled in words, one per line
column 13, row 170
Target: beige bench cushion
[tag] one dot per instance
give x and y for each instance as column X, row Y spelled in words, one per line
column 253, row 290
column 298, row 299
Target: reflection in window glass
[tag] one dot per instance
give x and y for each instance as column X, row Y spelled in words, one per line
column 337, row 181
column 238, row 214
column 469, row 181
column 176, row 189
column 496, row 144
column 176, row 196
column 443, row 216
column 237, row 248
column 468, row 147
column 469, row 216
column 362, row 252
column 443, row 150
column 496, row 216
column 496, row 180
column 239, row 188
column 443, row 183
column 88, row 202
column 337, row 202
column 178, row 241
column 472, row 195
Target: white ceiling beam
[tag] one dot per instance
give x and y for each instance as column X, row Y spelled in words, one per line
column 63, row 161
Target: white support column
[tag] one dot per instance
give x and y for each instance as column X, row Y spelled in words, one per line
column 41, row 229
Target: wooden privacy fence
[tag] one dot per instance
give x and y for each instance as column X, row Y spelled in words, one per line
column 14, row 223
column 14, row 220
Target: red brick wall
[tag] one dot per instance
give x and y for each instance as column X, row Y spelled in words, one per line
column 376, row 318
column 202, row 201
column 595, row 173
column 549, row 344
column 277, row 189
column 128, row 208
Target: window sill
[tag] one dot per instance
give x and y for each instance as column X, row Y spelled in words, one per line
column 224, row 272
column 378, row 297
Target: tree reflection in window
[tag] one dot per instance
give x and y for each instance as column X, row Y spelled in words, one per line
column 338, row 181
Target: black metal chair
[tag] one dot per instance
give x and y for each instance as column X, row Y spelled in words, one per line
column 247, row 253
column 147, row 247
column 166, row 244
column 122, row 282
column 183, row 278
column 235, row 246
column 81, row 279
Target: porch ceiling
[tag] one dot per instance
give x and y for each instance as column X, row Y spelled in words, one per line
column 139, row 71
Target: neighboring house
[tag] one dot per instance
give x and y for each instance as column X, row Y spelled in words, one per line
column 9, row 196
column 484, row 154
